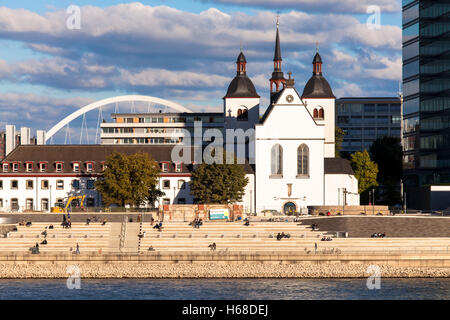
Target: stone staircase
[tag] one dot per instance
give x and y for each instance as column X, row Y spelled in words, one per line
column 261, row 236
column 90, row 238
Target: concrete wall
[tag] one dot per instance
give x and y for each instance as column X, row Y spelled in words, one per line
column 395, row 259
column 393, row 226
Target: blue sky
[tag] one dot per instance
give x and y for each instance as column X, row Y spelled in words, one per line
column 184, row 51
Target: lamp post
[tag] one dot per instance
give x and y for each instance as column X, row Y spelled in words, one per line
column 373, row 202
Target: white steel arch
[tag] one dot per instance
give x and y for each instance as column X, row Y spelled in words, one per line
column 98, row 104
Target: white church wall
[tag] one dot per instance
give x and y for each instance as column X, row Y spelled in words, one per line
column 334, row 188
column 329, row 121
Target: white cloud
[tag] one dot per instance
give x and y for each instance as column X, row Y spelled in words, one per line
column 347, row 6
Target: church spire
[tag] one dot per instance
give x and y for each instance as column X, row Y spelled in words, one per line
column 277, row 82
column 277, row 56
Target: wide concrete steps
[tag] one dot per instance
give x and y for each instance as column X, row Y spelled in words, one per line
column 92, row 237
column 259, row 244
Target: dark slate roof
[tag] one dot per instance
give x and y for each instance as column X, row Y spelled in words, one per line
column 277, row 75
column 241, row 58
column 338, row 166
column 89, row 153
column 277, row 55
column 317, row 58
column 317, row 87
column 241, row 87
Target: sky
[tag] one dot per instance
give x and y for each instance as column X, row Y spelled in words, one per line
column 185, row 51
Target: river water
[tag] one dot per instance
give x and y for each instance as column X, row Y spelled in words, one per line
column 226, row 289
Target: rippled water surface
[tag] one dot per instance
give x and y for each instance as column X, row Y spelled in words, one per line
column 208, row 289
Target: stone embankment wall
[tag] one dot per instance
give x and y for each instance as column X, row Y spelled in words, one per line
column 393, row 226
column 225, row 265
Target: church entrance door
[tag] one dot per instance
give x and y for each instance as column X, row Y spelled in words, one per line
column 289, row 208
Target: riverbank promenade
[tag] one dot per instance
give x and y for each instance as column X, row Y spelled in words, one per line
column 108, row 248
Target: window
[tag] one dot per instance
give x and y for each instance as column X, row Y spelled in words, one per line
column 14, row 204
column 90, row 184
column 29, row 184
column 76, row 184
column 242, row 114
column 59, row 184
column 316, row 113
column 59, row 202
column 165, row 167
column 277, row 160
column 44, row 184
column 14, row 184
column 89, row 167
column 177, row 167
column 44, row 204
column 59, row 167
column 29, row 167
column 1, row 203
column 181, row 184
column 1, row 184
column 15, row 167
column 303, row 160
column 5, row 167
column 76, row 167
column 166, row 184
column 90, row 202
column 166, row 201
column 43, row 167
column 29, row 204
column 321, row 113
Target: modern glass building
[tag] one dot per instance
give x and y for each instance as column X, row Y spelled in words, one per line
column 426, row 92
column 365, row 119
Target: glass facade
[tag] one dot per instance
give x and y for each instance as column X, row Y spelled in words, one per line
column 426, row 91
column 365, row 119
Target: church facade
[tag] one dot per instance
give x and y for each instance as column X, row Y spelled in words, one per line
column 294, row 141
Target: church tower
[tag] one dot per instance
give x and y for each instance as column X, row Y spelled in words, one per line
column 277, row 82
column 241, row 103
column 320, row 101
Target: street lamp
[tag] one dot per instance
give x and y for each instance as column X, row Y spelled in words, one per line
column 373, row 202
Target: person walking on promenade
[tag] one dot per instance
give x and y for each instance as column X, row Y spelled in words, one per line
column 78, row 249
column 315, row 247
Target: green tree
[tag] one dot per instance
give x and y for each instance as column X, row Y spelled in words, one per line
column 128, row 179
column 387, row 153
column 218, row 183
column 338, row 139
column 366, row 172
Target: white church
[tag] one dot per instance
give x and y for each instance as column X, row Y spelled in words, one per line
column 294, row 153
column 295, row 163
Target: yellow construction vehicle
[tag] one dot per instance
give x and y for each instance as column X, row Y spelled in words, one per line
column 59, row 206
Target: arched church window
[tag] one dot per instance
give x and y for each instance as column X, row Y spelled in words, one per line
column 303, row 160
column 242, row 114
column 321, row 113
column 316, row 113
column 276, row 160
